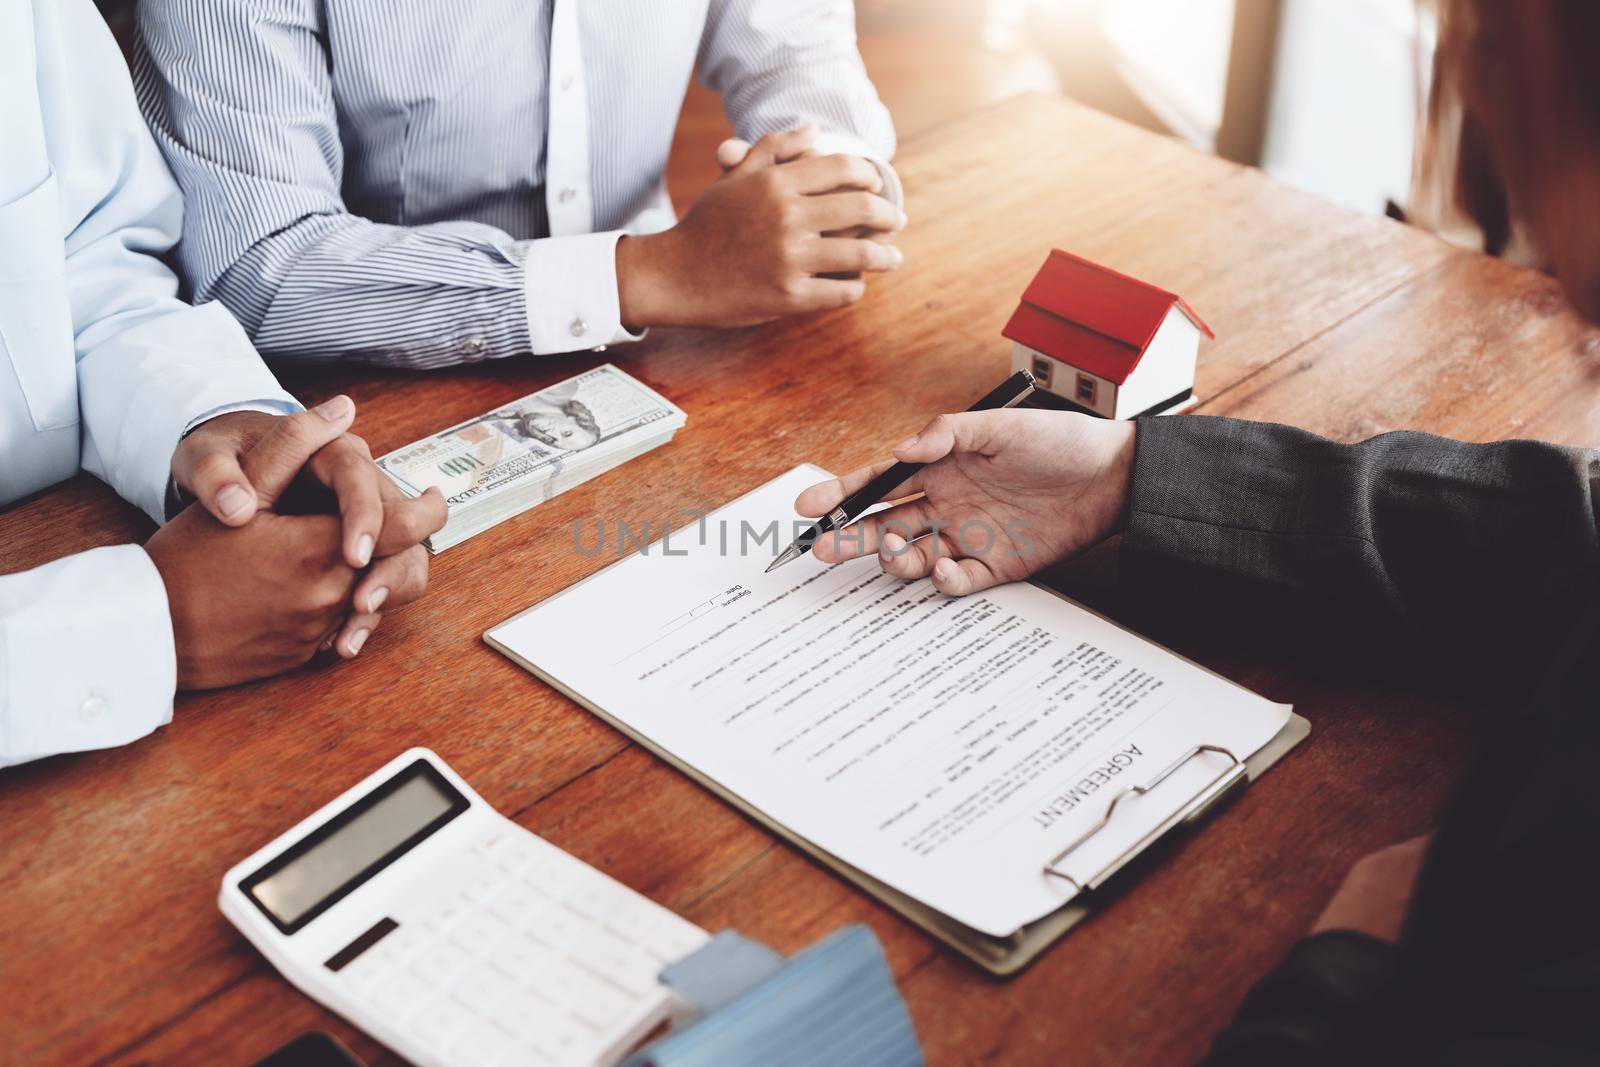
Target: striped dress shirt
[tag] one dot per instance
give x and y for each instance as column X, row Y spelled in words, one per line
column 428, row 182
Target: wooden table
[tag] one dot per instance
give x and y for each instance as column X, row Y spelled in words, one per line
column 111, row 945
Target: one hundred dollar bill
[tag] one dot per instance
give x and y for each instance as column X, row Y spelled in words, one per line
column 503, row 462
column 573, row 424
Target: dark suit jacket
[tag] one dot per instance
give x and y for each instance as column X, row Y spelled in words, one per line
column 1482, row 564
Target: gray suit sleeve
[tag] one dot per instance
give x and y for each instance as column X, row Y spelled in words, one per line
column 1486, row 555
column 1476, row 550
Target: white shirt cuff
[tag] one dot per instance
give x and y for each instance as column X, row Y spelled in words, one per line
column 86, row 654
column 829, row 143
column 570, row 285
column 195, row 362
column 288, row 406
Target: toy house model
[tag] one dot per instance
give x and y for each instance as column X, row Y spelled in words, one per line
column 1104, row 343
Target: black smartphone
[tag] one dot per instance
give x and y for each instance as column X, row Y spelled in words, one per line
column 315, row 1049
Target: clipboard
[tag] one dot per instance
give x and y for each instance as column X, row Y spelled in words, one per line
column 1000, row 956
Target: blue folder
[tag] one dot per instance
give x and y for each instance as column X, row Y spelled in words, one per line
column 834, row 1004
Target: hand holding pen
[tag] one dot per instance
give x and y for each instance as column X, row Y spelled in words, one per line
column 884, row 483
column 997, row 497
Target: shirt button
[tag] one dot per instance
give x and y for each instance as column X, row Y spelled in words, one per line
column 566, row 82
column 472, row 347
column 579, row 327
column 92, row 709
column 567, row 194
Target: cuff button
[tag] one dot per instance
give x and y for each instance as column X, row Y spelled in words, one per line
column 579, row 327
column 92, row 709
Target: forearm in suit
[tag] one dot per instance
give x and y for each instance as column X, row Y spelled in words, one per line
column 1499, row 959
column 1483, row 552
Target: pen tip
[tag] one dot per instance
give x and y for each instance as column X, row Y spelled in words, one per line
column 788, row 554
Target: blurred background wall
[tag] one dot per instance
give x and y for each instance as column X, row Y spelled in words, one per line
column 1323, row 94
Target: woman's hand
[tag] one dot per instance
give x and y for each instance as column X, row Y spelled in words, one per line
column 1376, row 894
column 1005, row 494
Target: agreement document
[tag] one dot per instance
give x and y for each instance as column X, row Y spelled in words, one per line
column 949, row 747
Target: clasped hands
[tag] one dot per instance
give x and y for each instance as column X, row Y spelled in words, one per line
column 296, row 543
column 783, row 231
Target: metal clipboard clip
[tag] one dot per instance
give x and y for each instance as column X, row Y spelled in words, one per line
column 1197, row 806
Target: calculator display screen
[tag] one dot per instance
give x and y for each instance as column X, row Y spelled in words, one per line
column 319, row 871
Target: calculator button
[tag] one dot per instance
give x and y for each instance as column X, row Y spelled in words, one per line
column 525, row 1055
column 479, row 987
column 391, row 954
column 602, row 952
column 636, row 923
column 484, row 886
column 484, row 1044
column 519, row 905
column 518, row 958
column 478, row 933
column 556, row 927
column 643, row 976
column 399, row 995
column 440, row 961
column 437, row 894
column 520, row 852
column 564, row 1042
column 673, row 939
column 528, row 1018
column 555, row 876
column 601, row 1006
column 445, row 914
column 549, row 1032
column 440, row 1021
column 587, row 997
column 491, row 843
column 398, row 947
column 638, row 974
column 365, row 973
column 557, row 982
column 595, row 901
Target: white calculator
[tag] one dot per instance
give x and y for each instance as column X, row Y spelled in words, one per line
column 451, row 934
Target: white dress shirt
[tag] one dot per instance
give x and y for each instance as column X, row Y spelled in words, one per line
column 101, row 366
column 446, row 182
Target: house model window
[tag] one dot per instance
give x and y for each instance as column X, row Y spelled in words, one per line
column 1103, row 343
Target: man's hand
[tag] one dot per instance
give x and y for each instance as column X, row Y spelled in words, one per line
column 254, row 601
column 266, row 595
column 760, row 242
column 208, row 466
column 1376, row 894
column 737, row 154
column 737, row 157
column 378, row 521
column 1005, row 494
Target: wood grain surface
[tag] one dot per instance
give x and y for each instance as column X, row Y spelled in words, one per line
column 111, row 945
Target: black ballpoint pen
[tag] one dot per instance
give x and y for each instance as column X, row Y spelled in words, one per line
column 1007, row 394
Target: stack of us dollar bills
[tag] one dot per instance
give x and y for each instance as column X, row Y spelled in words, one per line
column 500, row 464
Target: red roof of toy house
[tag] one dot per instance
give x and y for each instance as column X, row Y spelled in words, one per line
column 1093, row 318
